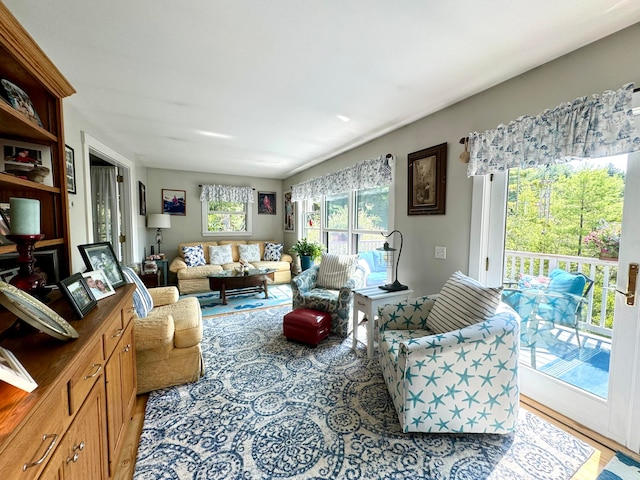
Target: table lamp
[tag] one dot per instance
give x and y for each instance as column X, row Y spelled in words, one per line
column 389, row 252
column 158, row 221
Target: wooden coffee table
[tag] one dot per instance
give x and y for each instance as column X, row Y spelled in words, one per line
column 231, row 282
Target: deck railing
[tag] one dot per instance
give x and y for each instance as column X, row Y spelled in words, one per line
column 598, row 316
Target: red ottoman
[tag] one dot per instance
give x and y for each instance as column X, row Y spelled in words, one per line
column 307, row 326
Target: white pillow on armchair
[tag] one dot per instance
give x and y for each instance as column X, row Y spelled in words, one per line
column 336, row 270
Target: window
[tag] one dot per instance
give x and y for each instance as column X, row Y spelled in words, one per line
column 219, row 217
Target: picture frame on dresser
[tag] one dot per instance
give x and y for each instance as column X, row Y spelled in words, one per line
column 30, row 161
column 78, row 294
column 100, row 256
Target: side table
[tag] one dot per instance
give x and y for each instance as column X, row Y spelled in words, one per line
column 367, row 300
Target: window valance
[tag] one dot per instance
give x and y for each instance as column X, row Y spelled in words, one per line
column 589, row 127
column 226, row 193
column 367, row 174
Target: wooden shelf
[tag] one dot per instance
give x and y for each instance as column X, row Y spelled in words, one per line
column 17, row 125
column 41, row 244
column 7, row 179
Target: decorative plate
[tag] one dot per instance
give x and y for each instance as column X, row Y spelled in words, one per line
column 35, row 313
column 19, row 100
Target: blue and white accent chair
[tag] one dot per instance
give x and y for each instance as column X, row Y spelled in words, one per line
column 450, row 361
column 328, row 287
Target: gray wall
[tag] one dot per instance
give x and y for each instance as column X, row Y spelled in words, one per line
column 606, row 64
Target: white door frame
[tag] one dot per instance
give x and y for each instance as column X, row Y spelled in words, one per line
column 94, row 146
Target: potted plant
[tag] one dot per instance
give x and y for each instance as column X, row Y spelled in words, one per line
column 307, row 251
column 606, row 239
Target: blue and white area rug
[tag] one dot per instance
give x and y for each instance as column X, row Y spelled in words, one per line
column 272, row 409
column 620, row 467
column 211, row 304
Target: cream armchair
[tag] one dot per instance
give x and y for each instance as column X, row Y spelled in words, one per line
column 168, row 341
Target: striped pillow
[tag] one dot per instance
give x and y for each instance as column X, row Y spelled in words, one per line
column 142, row 301
column 336, row 270
column 463, row 301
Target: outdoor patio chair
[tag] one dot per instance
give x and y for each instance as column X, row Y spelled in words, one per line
column 557, row 299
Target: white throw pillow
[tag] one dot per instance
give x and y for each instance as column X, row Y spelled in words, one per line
column 220, row 254
column 463, row 301
column 250, row 252
column 336, row 270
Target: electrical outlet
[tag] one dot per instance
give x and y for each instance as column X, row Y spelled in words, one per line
column 441, row 252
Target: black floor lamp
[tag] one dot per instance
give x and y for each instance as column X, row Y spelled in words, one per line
column 389, row 253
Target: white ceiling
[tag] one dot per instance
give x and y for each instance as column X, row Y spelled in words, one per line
column 271, row 77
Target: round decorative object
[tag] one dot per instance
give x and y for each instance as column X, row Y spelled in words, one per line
column 35, row 313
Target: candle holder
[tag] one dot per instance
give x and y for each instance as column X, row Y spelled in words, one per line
column 27, row 279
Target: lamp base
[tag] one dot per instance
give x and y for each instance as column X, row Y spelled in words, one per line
column 394, row 287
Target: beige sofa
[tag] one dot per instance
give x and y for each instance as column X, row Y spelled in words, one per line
column 194, row 279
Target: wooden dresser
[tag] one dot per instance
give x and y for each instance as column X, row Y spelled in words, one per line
column 72, row 426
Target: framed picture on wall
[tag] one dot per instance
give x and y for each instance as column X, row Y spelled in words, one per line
column 428, row 181
column 267, row 203
column 174, row 202
column 289, row 214
column 142, row 197
column 70, row 168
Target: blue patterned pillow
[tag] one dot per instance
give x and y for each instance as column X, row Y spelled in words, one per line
column 142, row 301
column 193, row 256
column 272, row 252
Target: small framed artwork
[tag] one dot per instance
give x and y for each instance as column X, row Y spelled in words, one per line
column 428, row 181
column 100, row 256
column 142, row 197
column 174, row 202
column 289, row 214
column 12, row 371
column 267, row 203
column 70, row 168
column 78, row 294
column 27, row 160
column 99, row 284
column 5, row 225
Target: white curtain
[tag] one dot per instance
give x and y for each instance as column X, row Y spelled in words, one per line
column 105, row 205
column 589, row 127
column 367, row 174
column 226, row 193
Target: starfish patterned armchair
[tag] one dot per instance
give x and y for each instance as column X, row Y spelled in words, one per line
column 328, row 287
column 462, row 380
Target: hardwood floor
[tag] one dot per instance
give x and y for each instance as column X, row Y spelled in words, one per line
column 605, row 449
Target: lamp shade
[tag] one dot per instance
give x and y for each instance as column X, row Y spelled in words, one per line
column 158, row 220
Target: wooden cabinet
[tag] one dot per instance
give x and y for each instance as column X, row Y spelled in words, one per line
column 24, row 64
column 84, row 400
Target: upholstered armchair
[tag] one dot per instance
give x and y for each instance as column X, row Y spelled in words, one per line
column 338, row 301
column 465, row 380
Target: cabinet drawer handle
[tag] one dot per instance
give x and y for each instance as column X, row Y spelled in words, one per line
column 127, row 348
column 98, row 368
column 73, row 459
column 54, row 437
column 118, row 333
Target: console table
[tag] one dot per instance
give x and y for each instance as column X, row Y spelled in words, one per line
column 367, row 300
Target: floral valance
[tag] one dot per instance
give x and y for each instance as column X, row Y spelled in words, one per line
column 589, row 127
column 368, row 174
column 226, row 193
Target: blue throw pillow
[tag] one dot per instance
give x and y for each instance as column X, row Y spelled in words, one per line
column 194, row 256
column 565, row 282
column 142, row 301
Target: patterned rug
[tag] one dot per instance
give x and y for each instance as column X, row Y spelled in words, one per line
column 620, row 467
column 272, row 409
column 211, row 304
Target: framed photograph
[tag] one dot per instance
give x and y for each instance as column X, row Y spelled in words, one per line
column 12, row 371
column 142, row 198
column 267, row 203
column 27, row 160
column 70, row 168
column 100, row 256
column 19, row 100
column 428, row 181
column 5, row 223
column 77, row 291
column 99, row 284
column 174, row 202
column 289, row 214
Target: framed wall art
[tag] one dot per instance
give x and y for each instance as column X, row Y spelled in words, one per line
column 267, row 203
column 174, row 202
column 289, row 214
column 70, row 168
column 427, row 191
column 142, row 197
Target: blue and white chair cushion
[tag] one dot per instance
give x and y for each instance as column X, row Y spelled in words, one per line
column 142, row 301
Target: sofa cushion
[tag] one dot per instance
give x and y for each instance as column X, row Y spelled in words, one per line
column 220, row 254
column 193, row 255
column 249, row 252
column 272, row 251
column 336, row 270
column 462, row 301
column 142, row 301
